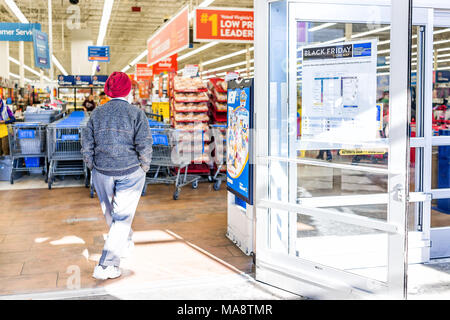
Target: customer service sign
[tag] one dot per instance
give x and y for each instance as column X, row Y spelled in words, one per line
column 18, row 31
column 224, row 25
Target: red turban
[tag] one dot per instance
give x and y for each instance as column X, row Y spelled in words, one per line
column 118, row 85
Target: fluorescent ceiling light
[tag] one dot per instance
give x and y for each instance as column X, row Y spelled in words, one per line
column 12, row 5
column 18, row 77
column 15, row 9
column 227, row 56
column 441, row 31
column 107, row 8
column 227, row 66
column 322, row 26
column 58, row 65
column 206, row 3
column 202, row 48
column 27, row 68
column 362, row 34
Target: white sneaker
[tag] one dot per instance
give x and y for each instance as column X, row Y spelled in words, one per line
column 110, row 272
column 127, row 250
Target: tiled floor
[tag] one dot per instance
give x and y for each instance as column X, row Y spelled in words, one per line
column 48, row 237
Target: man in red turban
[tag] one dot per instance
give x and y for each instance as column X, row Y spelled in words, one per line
column 117, row 148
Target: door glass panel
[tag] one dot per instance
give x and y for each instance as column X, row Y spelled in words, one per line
column 355, row 249
column 440, row 213
column 441, row 79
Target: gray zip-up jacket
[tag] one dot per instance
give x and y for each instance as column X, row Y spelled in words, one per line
column 117, row 139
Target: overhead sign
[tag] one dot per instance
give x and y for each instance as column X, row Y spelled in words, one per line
column 98, row 53
column 224, row 24
column 339, row 93
column 143, row 72
column 18, row 31
column 239, row 127
column 170, row 38
column 41, row 50
column 99, row 80
column 166, row 65
column 69, row 81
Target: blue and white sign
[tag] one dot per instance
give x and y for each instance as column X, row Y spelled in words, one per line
column 18, row 31
column 65, row 81
column 83, row 80
column 239, row 125
column 98, row 53
column 41, row 50
column 99, row 80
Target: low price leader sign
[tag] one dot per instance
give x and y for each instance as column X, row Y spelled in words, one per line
column 224, row 24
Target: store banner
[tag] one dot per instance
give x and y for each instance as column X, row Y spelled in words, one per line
column 143, row 72
column 99, row 80
column 83, row 80
column 41, row 50
column 70, row 81
column 224, row 24
column 239, row 127
column 66, row 81
column 18, row 31
column 171, row 38
column 166, row 65
column 98, row 53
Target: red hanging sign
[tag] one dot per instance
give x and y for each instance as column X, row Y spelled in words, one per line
column 224, row 24
column 170, row 38
column 167, row 65
column 143, row 72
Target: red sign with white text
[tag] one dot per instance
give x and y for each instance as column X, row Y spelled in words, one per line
column 225, row 25
column 170, row 38
column 167, row 65
column 143, row 72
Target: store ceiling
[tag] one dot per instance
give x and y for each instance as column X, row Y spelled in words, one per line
column 127, row 31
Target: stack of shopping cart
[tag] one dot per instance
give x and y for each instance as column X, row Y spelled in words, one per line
column 27, row 147
column 64, row 148
column 167, row 163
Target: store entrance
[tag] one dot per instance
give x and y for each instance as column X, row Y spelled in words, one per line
column 439, row 139
column 332, row 165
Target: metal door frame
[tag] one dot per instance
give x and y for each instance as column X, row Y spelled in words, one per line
column 311, row 278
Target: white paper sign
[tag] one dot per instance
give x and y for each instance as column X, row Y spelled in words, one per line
column 339, row 92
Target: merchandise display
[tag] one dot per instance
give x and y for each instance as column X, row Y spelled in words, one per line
column 218, row 100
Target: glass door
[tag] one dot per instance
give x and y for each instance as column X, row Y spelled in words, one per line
column 332, row 153
column 439, row 138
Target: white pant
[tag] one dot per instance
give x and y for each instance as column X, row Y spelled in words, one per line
column 119, row 197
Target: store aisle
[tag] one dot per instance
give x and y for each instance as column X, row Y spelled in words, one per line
column 47, row 237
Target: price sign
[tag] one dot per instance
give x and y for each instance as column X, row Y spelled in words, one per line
column 190, row 71
column 224, row 24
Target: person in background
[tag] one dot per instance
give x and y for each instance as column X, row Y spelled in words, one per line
column 103, row 98
column 89, row 103
column 117, row 148
column 6, row 117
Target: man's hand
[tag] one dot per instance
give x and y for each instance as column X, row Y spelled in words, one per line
column 2, row 121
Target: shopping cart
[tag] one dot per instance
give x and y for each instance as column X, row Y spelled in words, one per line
column 64, row 148
column 169, row 162
column 218, row 134
column 27, row 148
